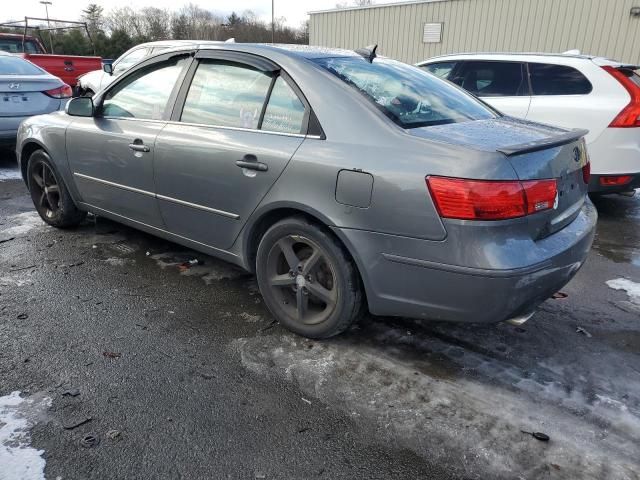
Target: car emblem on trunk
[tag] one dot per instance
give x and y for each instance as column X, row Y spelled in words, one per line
column 14, row 86
column 577, row 154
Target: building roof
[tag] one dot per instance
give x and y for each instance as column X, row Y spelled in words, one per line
column 377, row 5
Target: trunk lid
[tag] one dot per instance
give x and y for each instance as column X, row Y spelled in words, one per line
column 535, row 152
column 21, row 95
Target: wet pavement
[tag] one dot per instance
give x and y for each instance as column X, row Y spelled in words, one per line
column 180, row 371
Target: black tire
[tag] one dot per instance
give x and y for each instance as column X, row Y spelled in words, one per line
column 49, row 193
column 328, row 298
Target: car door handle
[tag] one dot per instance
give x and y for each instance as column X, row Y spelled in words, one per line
column 251, row 162
column 139, row 147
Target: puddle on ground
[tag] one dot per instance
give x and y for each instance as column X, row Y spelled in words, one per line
column 210, row 270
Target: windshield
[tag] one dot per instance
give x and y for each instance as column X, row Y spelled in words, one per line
column 407, row 95
column 14, row 45
column 17, row 66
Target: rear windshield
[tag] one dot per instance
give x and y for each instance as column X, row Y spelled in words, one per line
column 14, row 45
column 407, row 95
column 17, row 66
column 632, row 74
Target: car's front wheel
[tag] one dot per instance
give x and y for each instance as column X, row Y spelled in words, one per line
column 307, row 280
column 49, row 193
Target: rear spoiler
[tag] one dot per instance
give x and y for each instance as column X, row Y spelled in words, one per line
column 627, row 67
column 555, row 141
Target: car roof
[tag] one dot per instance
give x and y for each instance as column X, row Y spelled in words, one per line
column 570, row 55
column 291, row 50
column 17, row 35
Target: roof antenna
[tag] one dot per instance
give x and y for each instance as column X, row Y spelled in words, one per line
column 368, row 52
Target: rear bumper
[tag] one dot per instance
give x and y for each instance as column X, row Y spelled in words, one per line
column 400, row 285
column 616, row 151
column 595, row 185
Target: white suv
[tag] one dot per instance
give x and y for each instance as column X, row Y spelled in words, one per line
column 568, row 90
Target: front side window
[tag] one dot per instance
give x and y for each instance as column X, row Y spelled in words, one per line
column 226, row 94
column 144, row 94
column 407, row 95
column 492, row 79
column 130, row 59
column 285, row 111
column 549, row 79
column 440, row 70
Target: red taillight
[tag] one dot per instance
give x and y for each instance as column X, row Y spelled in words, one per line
column 60, row 92
column 630, row 115
column 586, row 172
column 490, row 200
column 615, row 180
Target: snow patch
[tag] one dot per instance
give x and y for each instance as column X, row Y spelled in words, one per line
column 408, row 398
column 119, row 262
column 10, row 174
column 632, row 288
column 18, row 415
column 25, row 221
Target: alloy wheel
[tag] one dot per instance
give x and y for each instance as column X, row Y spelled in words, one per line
column 45, row 190
column 302, row 279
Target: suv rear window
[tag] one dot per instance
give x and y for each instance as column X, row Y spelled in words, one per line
column 549, row 79
column 407, row 95
column 17, row 66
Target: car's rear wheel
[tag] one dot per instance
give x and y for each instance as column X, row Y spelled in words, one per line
column 307, row 280
column 49, row 193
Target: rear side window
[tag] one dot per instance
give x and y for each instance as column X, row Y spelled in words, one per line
column 549, row 79
column 492, row 79
column 226, row 94
column 441, row 70
column 14, row 45
column 17, row 66
column 145, row 93
column 285, row 111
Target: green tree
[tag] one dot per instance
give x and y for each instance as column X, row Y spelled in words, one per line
column 93, row 15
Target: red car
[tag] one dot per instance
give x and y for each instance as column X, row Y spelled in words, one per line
column 66, row 67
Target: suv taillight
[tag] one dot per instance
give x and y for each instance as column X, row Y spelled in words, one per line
column 465, row 199
column 630, row 115
column 586, row 172
column 64, row 91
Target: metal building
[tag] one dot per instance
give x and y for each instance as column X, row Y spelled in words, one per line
column 415, row 30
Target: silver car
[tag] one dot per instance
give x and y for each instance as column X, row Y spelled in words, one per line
column 345, row 181
column 26, row 90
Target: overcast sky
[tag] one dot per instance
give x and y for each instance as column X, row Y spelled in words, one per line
column 295, row 11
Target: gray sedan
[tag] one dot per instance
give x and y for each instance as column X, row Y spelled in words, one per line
column 26, row 90
column 345, row 181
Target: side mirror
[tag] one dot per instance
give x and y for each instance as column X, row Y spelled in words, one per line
column 108, row 68
column 80, row 107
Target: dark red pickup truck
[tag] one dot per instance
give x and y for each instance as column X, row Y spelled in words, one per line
column 66, row 67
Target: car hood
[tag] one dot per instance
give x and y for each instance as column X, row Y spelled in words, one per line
column 489, row 135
